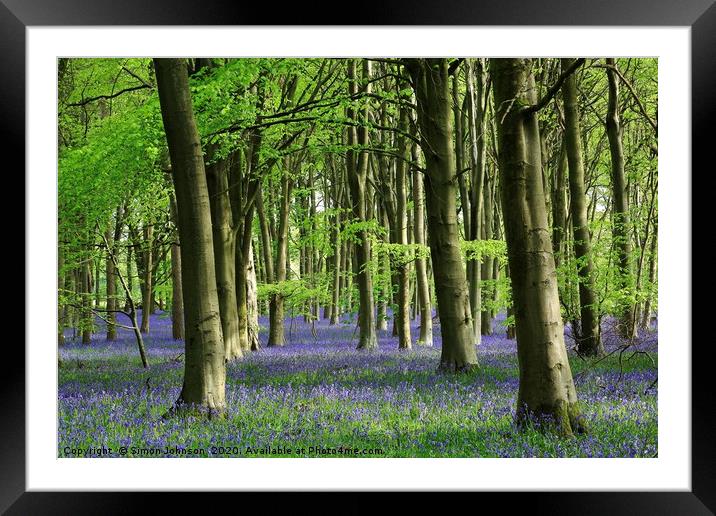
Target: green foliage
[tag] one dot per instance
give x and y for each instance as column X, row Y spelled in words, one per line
column 477, row 249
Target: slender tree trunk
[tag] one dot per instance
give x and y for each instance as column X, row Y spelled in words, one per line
column 252, row 306
column 487, row 268
column 177, row 294
column 357, row 180
column 476, row 116
column 111, row 302
column 86, row 291
column 588, row 341
column 431, row 84
column 61, row 304
column 546, row 385
column 337, row 261
column 148, row 287
column 204, row 366
column 266, row 241
column 243, row 257
column 620, row 207
column 559, row 205
column 646, row 314
column 401, row 214
column 130, row 276
column 276, row 313
column 131, row 310
column 421, row 268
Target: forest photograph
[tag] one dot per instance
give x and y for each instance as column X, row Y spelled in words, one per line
column 357, row 257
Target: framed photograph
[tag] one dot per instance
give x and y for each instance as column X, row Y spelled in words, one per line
column 416, row 252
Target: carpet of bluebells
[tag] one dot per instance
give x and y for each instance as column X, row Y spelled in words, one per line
column 318, row 396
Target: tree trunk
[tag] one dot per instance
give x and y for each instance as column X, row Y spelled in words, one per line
column 224, row 239
column 112, row 300
column 401, row 230
column 87, row 321
column 546, row 386
column 620, row 207
column 646, row 314
column 588, row 341
column 431, row 84
column 61, row 304
column 177, row 295
column 421, row 268
column 148, row 287
column 476, row 116
column 252, row 306
column 204, row 366
column 111, row 303
column 357, row 180
column 487, row 261
column 337, row 261
column 276, row 313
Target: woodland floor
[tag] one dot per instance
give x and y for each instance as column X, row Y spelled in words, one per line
column 320, row 394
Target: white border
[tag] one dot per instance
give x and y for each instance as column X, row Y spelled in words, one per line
column 671, row 470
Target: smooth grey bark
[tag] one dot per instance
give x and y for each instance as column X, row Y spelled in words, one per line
column 546, row 386
column 588, row 337
column 431, row 82
column 204, row 366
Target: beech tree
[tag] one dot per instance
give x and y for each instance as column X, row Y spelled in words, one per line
column 357, row 167
column 546, row 384
column 431, row 82
column 204, row 366
column 588, row 338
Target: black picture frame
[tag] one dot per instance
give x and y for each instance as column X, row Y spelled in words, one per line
column 700, row 15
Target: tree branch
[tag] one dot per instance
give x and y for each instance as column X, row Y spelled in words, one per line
column 554, row 89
